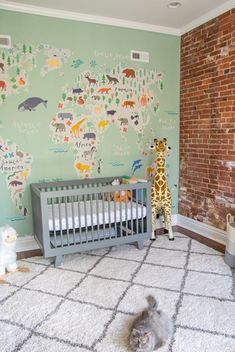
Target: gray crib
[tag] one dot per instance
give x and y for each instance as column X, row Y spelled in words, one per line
column 81, row 215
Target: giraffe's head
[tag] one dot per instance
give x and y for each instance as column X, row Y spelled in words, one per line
column 160, row 146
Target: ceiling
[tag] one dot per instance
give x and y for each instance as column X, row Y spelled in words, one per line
column 153, row 15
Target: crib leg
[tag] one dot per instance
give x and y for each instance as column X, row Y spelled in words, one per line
column 58, row 260
column 140, row 244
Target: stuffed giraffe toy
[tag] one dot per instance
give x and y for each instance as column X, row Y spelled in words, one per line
column 161, row 195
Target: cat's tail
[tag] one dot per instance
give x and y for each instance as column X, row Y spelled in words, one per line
column 152, row 302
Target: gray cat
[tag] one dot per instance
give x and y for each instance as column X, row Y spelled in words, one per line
column 151, row 329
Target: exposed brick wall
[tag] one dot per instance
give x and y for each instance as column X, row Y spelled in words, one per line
column 207, row 127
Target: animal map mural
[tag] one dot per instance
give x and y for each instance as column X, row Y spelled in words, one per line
column 16, row 165
column 17, row 62
column 121, row 96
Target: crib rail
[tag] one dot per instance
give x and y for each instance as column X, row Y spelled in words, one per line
column 71, row 216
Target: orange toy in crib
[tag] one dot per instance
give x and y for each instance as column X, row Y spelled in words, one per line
column 123, row 196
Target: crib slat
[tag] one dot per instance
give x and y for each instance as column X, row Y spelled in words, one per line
column 79, row 220
column 98, row 217
column 60, row 221
column 142, row 210
column 132, row 232
column 109, row 213
column 103, row 213
column 73, row 220
column 53, row 221
column 85, row 215
column 120, row 207
column 137, row 212
column 92, row 227
column 67, row 221
column 115, row 216
column 126, row 214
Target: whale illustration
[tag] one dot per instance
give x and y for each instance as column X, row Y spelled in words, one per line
column 31, row 103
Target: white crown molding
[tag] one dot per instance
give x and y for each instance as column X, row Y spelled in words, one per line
column 208, row 16
column 75, row 16
column 202, row 229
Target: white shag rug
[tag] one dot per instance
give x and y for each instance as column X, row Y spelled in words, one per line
column 89, row 303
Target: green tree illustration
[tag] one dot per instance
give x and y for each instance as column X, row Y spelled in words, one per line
column 30, row 49
column 63, row 96
column 8, row 61
column 114, row 71
column 74, row 98
column 24, row 48
column 117, row 101
column 109, row 100
column 34, row 61
column 18, row 71
column 103, row 79
column 123, row 81
column 17, row 58
column 14, row 86
column 106, row 106
column 3, row 96
column 161, row 85
column 92, row 90
column 3, row 55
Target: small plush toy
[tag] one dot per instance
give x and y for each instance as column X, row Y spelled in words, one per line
column 8, row 238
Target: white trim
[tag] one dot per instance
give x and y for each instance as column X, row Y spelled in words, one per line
column 228, row 5
column 26, row 243
column 75, row 16
column 203, row 229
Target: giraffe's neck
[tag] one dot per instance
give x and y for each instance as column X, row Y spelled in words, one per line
column 160, row 174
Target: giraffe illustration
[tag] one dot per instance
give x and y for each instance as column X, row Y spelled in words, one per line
column 161, row 195
column 76, row 128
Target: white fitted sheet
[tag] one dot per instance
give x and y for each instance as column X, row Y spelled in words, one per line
column 63, row 217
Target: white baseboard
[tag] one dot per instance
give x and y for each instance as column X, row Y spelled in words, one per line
column 203, row 229
column 28, row 243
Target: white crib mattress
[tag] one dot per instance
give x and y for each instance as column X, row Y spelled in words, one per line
column 66, row 216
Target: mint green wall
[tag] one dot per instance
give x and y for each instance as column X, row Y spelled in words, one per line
column 45, row 152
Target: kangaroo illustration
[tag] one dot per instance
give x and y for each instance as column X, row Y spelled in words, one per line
column 76, row 128
column 91, row 80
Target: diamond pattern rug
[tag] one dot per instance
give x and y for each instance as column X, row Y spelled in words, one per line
column 90, row 302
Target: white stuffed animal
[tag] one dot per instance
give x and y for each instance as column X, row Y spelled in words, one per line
column 8, row 238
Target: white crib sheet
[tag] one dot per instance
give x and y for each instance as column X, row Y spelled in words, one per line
column 61, row 217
